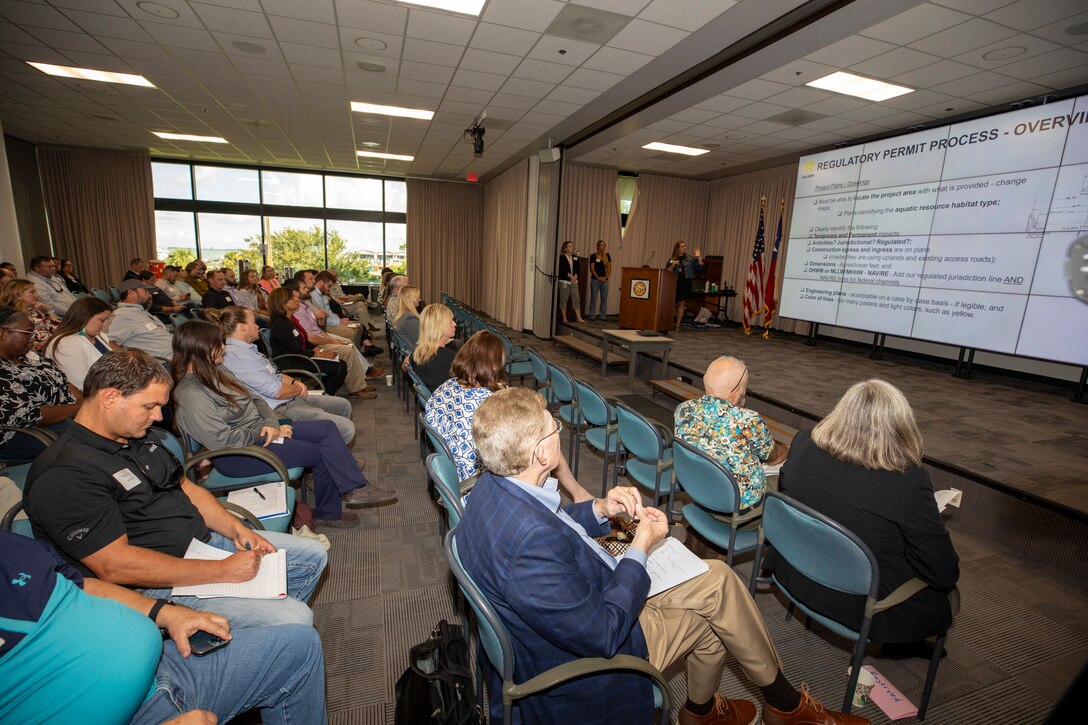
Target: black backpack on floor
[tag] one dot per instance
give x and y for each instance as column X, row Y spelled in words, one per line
column 437, row 687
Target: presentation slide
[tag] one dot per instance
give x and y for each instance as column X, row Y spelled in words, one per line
column 962, row 234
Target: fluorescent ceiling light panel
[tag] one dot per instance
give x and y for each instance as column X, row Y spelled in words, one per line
column 391, row 110
column 380, row 155
column 852, row 85
column 674, row 149
column 189, row 137
column 467, row 7
column 87, row 74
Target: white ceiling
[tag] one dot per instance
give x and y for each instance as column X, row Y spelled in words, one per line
column 288, row 105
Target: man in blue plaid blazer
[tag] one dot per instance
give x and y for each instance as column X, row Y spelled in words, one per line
column 562, row 596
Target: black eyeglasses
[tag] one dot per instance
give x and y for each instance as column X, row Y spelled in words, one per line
column 558, row 427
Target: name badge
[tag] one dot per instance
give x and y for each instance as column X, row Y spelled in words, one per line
column 127, row 479
column 294, row 332
column 150, row 326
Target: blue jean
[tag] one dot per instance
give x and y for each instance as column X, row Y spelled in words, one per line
column 306, row 559
column 598, row 287
column 314, row 444
column 280, row 670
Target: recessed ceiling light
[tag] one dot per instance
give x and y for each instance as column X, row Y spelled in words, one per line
column 159, row 11
column 859, row 86
column 371, row 43
column 371, row 66
column 391, row 110
column 1013, row 51
column 1080, row 28
column 372, row 121
column 370, row 144
column 674, row 149
column 466, row 7
column 87, row 74
column 239, row 104
column 380, row 155
column 189, row 137
column 247, row 47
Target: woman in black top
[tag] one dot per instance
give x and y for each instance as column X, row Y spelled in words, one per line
column 600, row 267
column 861, row 466
column 288, row 338
column 568, row 282
column 68, row 274
column 435, row 351
column 685, row 268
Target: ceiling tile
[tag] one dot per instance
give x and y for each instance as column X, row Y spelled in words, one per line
column 1032, row 46
column 849, row 51
column 232, row 21
column 175, row 36
column 1029, row 14
column 478, row 80
column 556, row 108
column 539, row 70
column 502, row 39
column 372, row 16
column 798, row 72
column 593, row 80
column 1063, row 79
column 725, row 104
column 933, row 74
column 1058, row 60
column 135, row 51
column 760, row 110
column 757, row 89
column 526, row 87
column 563, row 50
column 317, row 10
column 308, row 74
column 427, row 51
column 349, row 37
column 1055, row 32
column 36, row 15
column 186, row 16
column 688, row 15
column 304, row 32
column 569, row 94
column 915, row 23
column 439, row 27
column 260, row 68
column 489, row 62
column 643, row 37
column 514, row 101
column 108, row 26
column 981, row 81
column 468, row 95
column 975, row 33
column 1008, row 93
column 694, row 115
column 894, row 63
column 425, row 72
column 526, row 14
column 615, row 60
column 312, row 55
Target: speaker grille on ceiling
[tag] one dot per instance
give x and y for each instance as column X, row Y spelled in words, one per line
column 587, row 24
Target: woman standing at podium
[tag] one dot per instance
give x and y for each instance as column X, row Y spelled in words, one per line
column 685, row 268
column 568, row 282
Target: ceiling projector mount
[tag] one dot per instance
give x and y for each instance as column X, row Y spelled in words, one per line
column 474, row 134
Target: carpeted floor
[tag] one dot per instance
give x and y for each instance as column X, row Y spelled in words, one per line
column 1021, row 638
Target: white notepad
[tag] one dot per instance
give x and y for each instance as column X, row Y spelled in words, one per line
column 948, row 497
column 271, row 501
column 270, row 582
column 671, row 563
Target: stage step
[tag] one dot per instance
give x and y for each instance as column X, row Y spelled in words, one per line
column 680, row 390
column 588, row 349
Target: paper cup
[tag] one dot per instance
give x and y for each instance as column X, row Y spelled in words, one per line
column 863, row 688
column 388, row 381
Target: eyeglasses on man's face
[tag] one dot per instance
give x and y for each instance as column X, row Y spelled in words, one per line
column 558, row 427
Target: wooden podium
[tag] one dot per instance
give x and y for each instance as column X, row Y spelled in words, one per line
column 648, row 300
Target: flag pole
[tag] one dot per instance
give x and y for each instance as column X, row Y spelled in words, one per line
column 770, row 289
column 753, row 286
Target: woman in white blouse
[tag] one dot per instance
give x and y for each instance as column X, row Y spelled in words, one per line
column 81, row 338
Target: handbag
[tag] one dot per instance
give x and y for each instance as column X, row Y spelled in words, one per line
column 437, row 687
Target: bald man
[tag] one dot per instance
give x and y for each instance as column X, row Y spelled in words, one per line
column 719, row 424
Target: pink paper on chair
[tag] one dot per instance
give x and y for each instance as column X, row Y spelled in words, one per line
column 893, row 702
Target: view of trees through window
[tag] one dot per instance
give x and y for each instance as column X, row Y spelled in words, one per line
column 227, row 219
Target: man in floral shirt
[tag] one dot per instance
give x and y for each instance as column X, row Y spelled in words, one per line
column 719, row 424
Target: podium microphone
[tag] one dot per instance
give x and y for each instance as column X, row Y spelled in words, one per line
column 650, row 259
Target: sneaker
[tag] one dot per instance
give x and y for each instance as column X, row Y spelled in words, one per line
column 347, row 520
column 809, row 712
column 375, row 372
column 369, row 494
column 724, row 712
column 367, row 393
column 360, row 462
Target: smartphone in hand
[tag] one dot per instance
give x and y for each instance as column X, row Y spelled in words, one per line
column 202, row 643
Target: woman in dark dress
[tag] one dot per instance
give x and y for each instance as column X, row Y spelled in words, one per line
column 861, row 466
column 288, row 338
column 685, row 268
column 68, row 274
column 435, row 350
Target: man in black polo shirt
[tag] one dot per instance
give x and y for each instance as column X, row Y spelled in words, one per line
column 217, row 296
column 116, row 504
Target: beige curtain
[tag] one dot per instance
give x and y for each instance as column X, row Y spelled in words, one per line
column 669, row 209
column 502, row 258
column 445, row 233
column 588, row 209
column 732, row 222
column 101, row 210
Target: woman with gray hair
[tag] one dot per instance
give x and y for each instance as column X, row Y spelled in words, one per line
column 862, row 467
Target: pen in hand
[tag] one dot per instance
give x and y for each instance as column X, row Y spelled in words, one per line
column 258, row 492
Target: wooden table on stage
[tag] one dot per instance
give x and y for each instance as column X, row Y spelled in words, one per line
column 707, row 297
column 636, row 344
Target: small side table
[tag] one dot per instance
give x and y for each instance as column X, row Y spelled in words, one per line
column 636, row 344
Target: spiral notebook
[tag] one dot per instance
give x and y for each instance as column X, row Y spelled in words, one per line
column 270, row 582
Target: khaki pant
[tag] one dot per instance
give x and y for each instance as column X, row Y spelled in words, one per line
column 352, row 334
column 357, row 365
column 702, row 619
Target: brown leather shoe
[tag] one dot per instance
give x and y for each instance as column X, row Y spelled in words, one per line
column 809, row 712
column 375, row 372
column 365, row 393
column 369, row 494
column 725, row 712
column 347, row 520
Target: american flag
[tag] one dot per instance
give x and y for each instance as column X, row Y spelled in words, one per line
column 770, row 295
column 753, row 288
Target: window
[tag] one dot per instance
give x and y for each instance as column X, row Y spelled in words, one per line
column 626, row 190
column 346, row 192
column 226, row 238
column 223, row 183
column 287, row 189
column 221, row 214
column 172, row 181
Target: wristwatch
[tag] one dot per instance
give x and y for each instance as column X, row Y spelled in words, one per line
column 157, row 606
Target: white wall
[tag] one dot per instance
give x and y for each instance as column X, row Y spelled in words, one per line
column 10, row 249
